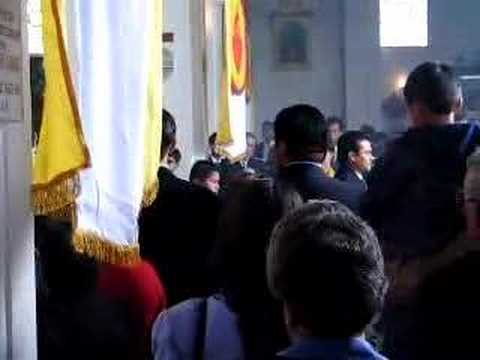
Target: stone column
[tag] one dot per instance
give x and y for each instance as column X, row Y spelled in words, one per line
column 17, row 277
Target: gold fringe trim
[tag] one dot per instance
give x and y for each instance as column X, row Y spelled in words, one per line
column 67, row 213
column 57, row 198
column 150, row 194
column 104, row 251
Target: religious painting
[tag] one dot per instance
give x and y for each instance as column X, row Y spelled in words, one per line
column 291, row 42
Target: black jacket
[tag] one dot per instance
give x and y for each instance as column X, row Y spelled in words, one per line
column 346, row 174
column 312, row 183
column 177, row 233
column 413, row 191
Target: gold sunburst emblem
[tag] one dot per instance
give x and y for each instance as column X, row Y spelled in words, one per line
column 237, row 46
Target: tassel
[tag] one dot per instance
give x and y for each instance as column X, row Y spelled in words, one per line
column 57, row 197
column 94, row 245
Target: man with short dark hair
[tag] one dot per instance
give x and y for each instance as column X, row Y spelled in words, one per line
column 336, row 127
column 355, row 159
column 249, row 164
column 214, row 155
column 205, row 174
column 378, row 139
column 300, row 146
column 177, row 231
column 326, row 267
column 216, row 158
column 413, row 191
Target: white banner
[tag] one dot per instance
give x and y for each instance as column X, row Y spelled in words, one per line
column 109, row 50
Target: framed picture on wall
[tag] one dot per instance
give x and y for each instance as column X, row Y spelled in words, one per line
column 292, row 43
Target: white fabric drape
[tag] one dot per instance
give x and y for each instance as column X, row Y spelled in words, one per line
column 109, row 44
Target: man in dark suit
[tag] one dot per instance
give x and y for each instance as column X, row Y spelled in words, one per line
column 355, row 159
column 177, row 231
column 300, row 146
column 249, row 165
column 216, row 158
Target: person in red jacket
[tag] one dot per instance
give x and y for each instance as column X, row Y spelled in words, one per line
column 139, row 288
column 76, row 293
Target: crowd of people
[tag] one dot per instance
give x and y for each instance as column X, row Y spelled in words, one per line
column 321, row 243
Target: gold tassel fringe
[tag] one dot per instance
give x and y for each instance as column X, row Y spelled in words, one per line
column 67, row 213
column 57, row 197
column 104, row 251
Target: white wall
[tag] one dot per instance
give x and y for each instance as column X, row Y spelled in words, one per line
column 184, row 90
column 362, row 61
column 372, row 72
column 322, row 86
column 454, row 30
column 351, row 73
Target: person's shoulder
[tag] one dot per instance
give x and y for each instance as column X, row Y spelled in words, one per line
column 169, row 182
column 343, row 173
column 143, row 277
column 403, row 146
column 138, row 277
column 402, row 141
column 180, row 313
column 177, row 320
column 299, row 169
column 334, row 189
column 344, row 186
column 176, row 329
column 305, row 174
column 179, row 184
column 453, row 132
column 173, row 333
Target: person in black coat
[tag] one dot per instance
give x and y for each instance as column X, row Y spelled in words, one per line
column 300, row 146
column 355, row 158
column 178, row 230
column 414, row 187
column 413, row 194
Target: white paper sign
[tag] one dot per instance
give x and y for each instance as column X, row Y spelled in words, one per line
column 10, row 61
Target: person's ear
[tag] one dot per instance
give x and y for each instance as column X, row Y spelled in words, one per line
column 351, row 156
column 459, row 104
